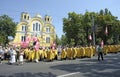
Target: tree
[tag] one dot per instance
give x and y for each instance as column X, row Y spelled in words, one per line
column 64, row 40
column 87, row 25
column 71, row 27
column 78, row 27
column 107, row 20
column 58, row 41
column 7, row 28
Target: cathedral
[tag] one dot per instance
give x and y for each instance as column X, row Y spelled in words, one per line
column 37, row 26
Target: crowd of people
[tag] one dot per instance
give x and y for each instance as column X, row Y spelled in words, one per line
column 11, row 54
column 19, row 55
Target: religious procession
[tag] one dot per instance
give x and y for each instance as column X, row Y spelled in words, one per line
column 30, row 51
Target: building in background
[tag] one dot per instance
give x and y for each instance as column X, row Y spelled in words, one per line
column 36, row 26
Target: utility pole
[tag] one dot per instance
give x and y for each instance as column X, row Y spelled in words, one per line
column 93, row 31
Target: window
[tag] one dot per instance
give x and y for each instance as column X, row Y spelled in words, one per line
column 28, row 17
column 24, row 28
column 48, row 19
column 23, row 38
column 36, row 27
column 47, row 39
column 33, row 27
column 45, row 19
column 47, row 29
column 24, row 16
column 39, row 27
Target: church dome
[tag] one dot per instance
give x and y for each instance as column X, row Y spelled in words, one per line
column 38, row 15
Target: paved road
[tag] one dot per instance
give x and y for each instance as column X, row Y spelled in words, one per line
column 86, row 67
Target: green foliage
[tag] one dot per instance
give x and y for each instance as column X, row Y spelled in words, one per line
column 72, row 26
column 58, row 41
column 64, row 40
column 7, row 28
column 78, row 27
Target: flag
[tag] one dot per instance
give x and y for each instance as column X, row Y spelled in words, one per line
column 106, row 30
column 102, row 43
column 90, row 37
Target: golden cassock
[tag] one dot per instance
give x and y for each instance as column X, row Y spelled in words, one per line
column 43, row 54
column 67, row 53
column 71, row 53
column 82, row 52
column 88, row 52
column 52, row 54
column 105, row 50
column 111, row 49
column 63, row 54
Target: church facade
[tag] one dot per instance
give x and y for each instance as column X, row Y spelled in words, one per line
column 36, row 26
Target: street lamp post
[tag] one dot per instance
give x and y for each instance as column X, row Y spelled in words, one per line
column 93, row 31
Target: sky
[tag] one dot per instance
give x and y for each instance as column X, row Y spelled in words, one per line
column 57, row 9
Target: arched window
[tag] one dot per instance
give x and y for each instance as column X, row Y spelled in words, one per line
column 48, row 29
column 47, row 39
column 48, row 19
column 33, row 27
column 24, row 16
column 39, row 28
column 28, row 17
column 23, row 38
column 45, row 18
column 36, row 26
column 24, row 28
